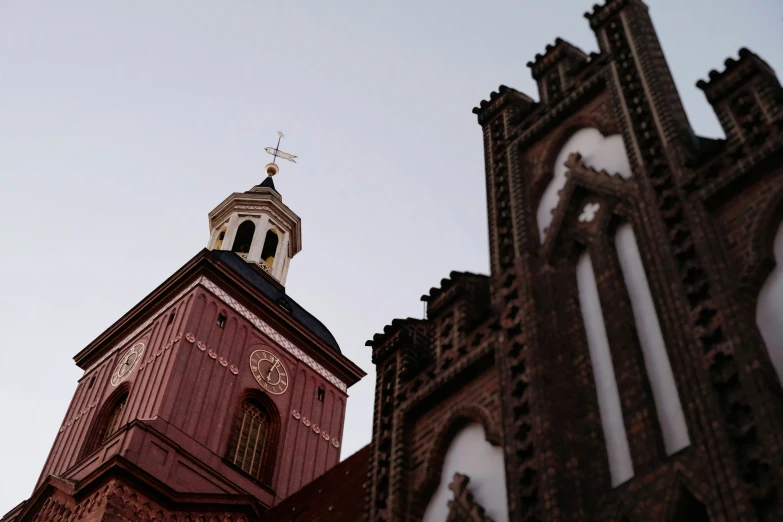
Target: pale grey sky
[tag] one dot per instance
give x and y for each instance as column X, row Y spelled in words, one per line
column 122, row 124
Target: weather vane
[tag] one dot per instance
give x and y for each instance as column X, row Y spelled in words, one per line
column 272, row 168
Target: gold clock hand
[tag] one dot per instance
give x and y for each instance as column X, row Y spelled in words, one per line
column 269, row 375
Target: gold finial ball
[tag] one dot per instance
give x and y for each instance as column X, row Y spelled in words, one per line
column 271, row 169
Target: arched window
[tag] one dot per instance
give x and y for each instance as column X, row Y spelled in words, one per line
column 254, row 438
column 108, row 421
column 270, row 247
column 244, row 237
column 115, row 418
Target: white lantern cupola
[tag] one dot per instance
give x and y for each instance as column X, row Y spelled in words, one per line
column 258, row 227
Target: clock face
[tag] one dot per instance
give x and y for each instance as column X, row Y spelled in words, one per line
column 269, row 371
column 127, row 363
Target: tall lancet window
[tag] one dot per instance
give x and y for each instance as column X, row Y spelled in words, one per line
column 244, row 237
column 270, row 247
column 659, row 371
column 617, row 448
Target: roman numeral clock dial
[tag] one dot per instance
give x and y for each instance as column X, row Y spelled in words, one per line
column 269, row 371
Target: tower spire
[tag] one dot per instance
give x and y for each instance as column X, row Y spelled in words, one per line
column 256, row 225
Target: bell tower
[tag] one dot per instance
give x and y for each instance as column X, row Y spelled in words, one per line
column 258, row 227
column 216, row 397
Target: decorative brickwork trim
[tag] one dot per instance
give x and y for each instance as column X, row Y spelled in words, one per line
column 761, row 258
column 651, row 130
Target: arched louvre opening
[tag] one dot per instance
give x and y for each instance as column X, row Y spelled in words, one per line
column 270, row 247
column 249, row 439
column 244, row 237
column 221, row 236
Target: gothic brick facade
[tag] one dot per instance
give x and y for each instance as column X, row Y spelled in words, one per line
column 511, row 353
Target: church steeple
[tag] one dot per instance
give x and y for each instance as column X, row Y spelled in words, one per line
column 257, row 226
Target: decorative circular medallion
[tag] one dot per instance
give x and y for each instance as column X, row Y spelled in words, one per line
column 178, row 337
column 325, row 436
column 189, row 337
column 212, row 354
column 269, row 371
column 234, row 369
column 305, row 421
column 223, row 362
column 127, row 362
column 201, row 345
column 335, row 443
column 316, row 429
column 295, row 414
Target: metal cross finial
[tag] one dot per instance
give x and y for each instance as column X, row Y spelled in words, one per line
column 277, row 153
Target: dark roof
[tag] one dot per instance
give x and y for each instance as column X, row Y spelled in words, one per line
column 277, row 294
column 337, row 495
column 268, row 183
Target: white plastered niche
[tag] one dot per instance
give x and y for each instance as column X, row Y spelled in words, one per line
column 769, row 310
column 470, row 454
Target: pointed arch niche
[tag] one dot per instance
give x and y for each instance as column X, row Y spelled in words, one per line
column 609, row 404
column 601, row 153
column 469, row 453
column 671, row 417
column 769, row 308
